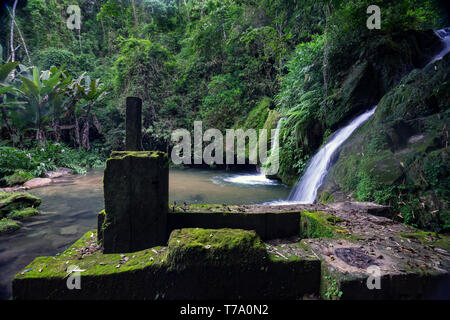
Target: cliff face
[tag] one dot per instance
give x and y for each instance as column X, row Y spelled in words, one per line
column 374, row 69
column 360, row 74
column 401, row 155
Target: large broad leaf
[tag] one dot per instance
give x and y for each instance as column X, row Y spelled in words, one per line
column 50, row 84
column 30, row 86
column 36, row 79
column 6, row 69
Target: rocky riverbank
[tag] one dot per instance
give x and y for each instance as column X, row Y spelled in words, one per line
column 61, row 175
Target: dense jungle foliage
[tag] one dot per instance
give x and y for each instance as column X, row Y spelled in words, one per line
column 229, row 63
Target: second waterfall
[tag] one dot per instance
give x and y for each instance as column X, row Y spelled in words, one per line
column 305, row 190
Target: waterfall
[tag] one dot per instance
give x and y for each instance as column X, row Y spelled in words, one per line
column 305, row 190
column 274, row 153
column 444, row 35
column 253, row 179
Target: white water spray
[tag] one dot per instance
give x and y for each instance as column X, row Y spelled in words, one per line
column 444, row 35
column 305, row 190
column 261, row 178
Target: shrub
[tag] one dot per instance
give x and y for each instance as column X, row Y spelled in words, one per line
column 18, row 177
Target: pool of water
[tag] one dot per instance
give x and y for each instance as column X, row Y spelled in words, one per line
column 69, row 210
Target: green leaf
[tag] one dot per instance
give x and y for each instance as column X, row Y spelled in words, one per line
column 30, row 86
column 6, row 69
column 36, row 79
column 6, row 89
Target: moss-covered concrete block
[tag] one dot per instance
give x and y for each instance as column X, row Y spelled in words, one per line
column 136, row 191
column 268, row 224
column 194, row 246
column 133, row 124
column 197, row 264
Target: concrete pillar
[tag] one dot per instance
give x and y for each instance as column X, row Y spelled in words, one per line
column 136, row 191
column 133, row 135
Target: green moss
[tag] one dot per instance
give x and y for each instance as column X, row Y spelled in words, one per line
column 17, row 201
column 23, row 213
column 204, row 208
column 139, row 154
column 258, row 115
column 88, row 257
column 429, row 238
column 192, row 246
column 8, row 225
column 326, row 198
column 320, row 225
column 18, row 177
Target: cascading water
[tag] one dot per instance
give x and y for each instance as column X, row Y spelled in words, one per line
column 305, row 190
column 444, row 35
column 253, row 179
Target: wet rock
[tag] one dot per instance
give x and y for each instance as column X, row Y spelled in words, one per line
column 60, row 172
column 38, row 182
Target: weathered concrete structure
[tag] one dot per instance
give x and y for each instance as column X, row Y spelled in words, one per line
column 328, row 258
column 268, row 224
column 133, row 123
column 136, row 191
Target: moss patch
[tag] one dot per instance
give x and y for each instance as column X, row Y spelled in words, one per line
column 8, row 225
column 87, row 255
column 23, row 214
column 17, row 206
column 139, row 154
column 17, row 201
column 18, row 177
column 214, row 208
column 214, row 247
column 320, row 225
column 429, row 238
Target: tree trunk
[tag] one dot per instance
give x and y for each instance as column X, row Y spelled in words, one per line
column 40, row 133
column 77, row 132
column 325, row 51
column 133, row 5
column 13, row 51
column 20, row 35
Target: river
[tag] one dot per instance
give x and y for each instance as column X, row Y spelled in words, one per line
column 69, row 210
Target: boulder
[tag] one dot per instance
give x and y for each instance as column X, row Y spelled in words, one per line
column 37, row 182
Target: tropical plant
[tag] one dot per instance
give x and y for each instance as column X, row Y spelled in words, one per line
column 85, row 93
column 44, row 93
